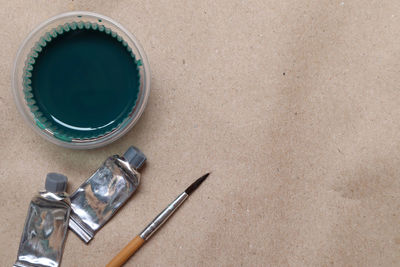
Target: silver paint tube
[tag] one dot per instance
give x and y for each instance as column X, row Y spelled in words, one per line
column 46, row 226
column 99, row 198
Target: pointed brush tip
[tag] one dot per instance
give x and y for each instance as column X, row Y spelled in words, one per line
column 196, row 184
column 202, row 178
column 205, row 176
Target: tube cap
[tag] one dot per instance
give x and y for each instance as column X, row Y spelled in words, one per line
column 135, row 157
column 56, row 182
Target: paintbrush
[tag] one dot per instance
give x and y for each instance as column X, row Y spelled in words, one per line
column 139, row 240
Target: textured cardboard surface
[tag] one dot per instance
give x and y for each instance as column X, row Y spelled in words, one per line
column 293, row 105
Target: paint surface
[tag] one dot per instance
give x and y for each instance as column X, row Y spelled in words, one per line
column 85, row 82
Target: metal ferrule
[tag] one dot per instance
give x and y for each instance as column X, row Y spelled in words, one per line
column 163, row 217
column 99, row 197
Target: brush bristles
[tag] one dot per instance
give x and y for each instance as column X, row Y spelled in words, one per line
column 196, row 184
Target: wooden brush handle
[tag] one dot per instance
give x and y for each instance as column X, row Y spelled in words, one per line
column 126, row 252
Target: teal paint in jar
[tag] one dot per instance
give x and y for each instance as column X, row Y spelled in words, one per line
column 81, row 80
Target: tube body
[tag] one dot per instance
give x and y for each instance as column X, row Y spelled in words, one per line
column 45, row 230
column 96, row 201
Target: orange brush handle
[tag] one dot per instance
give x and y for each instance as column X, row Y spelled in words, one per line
column 126, row 252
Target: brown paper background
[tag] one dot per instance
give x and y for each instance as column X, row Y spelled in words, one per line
column 293, row 105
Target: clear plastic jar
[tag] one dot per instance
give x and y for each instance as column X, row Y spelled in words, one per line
column 18, row 79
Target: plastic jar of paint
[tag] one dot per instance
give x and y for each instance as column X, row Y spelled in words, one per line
column 81, row 80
